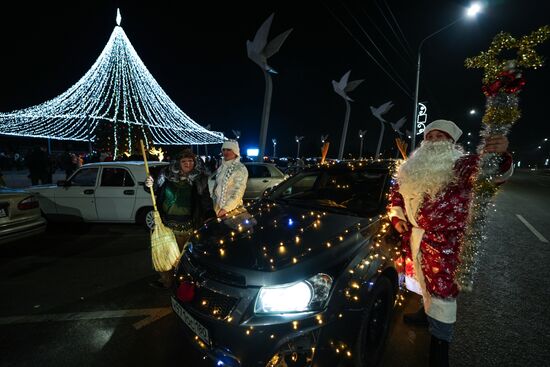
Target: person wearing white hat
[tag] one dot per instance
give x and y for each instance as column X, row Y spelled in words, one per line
column 429, row 206
column 229, row 180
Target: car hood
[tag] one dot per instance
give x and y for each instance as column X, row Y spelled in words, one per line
column 272, row 237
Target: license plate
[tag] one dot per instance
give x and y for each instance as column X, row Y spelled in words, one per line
column 193, row 324
column 3, row 213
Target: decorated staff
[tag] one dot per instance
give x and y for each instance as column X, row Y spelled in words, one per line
column 502, row 82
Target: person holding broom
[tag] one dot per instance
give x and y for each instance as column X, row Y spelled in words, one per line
column 183, row 201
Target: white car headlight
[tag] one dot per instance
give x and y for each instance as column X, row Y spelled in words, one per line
column 302, row 296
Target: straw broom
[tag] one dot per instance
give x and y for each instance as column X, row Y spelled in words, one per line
column 164, row 248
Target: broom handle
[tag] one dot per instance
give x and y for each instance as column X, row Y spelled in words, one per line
column 147, row 173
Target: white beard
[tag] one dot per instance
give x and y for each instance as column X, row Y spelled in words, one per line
column 427, row 172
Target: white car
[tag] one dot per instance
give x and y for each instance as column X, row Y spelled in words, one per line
column 19, row 215
column 101, row 192
column 261, row 176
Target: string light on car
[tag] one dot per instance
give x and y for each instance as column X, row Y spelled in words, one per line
column 116, row 102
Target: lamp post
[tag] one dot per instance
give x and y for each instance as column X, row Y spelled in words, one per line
column 471, row 12
column 274, row 141
column 298, row 140
column 361, row 136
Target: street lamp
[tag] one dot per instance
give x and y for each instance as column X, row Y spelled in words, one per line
column 274, row 141
column 472, row 112
column 298, row 140
column 471, row 12
column 361, row 136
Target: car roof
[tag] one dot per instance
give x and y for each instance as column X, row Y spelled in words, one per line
column 351, row 165
column 123, row 163
column 259, row 163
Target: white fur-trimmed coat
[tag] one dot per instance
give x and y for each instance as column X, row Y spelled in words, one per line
column 228, row 184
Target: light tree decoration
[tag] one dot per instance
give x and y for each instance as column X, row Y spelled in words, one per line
column 361, row 137
column 114, row 104
column 274, row 141
column 341, row 88
column 378, row 112
column 298, row 140
column 259, row 51
column 502, row 82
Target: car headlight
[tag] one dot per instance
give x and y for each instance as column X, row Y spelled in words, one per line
column 307, row 295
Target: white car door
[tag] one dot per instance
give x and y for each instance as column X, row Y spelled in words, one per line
column 76, row 198
column 115, row 195
column 259, row 179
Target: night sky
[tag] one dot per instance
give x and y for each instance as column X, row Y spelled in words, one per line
column 197, row 52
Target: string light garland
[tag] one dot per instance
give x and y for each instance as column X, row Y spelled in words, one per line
column 376, row 230
column 116, row 103
column 502, row 82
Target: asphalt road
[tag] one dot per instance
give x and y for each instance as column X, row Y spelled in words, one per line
column 79, row 296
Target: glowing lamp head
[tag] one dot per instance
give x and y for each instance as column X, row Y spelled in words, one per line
column 473, row 10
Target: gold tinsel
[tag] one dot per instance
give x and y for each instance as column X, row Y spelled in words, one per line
column 526, row 55
column 501, row 111
column 501, row 115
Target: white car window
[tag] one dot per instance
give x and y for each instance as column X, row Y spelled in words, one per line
column 85, row 177
column 116, row 177
column 257, row 171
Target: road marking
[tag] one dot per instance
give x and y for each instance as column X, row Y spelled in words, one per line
column 151, row 315
column 532, row 229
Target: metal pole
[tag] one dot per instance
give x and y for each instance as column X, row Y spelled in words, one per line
column 361, row 149
column 415, row 115
column 265, row 114
column 344, row 131
column 380, row 140
column 274, row 150
column 298, row 152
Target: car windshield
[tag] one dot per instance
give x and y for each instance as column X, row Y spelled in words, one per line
column 355, row 192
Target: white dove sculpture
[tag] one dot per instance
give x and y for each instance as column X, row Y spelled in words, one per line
column 378, row 112
column 343, row 86
column 259, row 50
column 324, row 138
column 396, row 126
column 383, row 109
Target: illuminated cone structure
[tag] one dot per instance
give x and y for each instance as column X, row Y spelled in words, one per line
column 116, row 103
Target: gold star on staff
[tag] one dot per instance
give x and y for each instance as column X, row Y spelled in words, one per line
column 527, row 57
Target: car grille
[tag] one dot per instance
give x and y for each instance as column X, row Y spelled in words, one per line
column 213, row 304
column 217, row 274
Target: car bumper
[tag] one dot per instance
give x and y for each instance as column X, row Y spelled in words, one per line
column 14, row 231
column 319, row 339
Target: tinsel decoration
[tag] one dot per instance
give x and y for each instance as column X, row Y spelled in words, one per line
column 502, row 82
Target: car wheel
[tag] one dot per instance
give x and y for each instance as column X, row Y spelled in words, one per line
column 145, row 217
column 375, row 323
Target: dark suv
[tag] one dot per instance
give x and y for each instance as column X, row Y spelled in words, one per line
column 307, row 276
